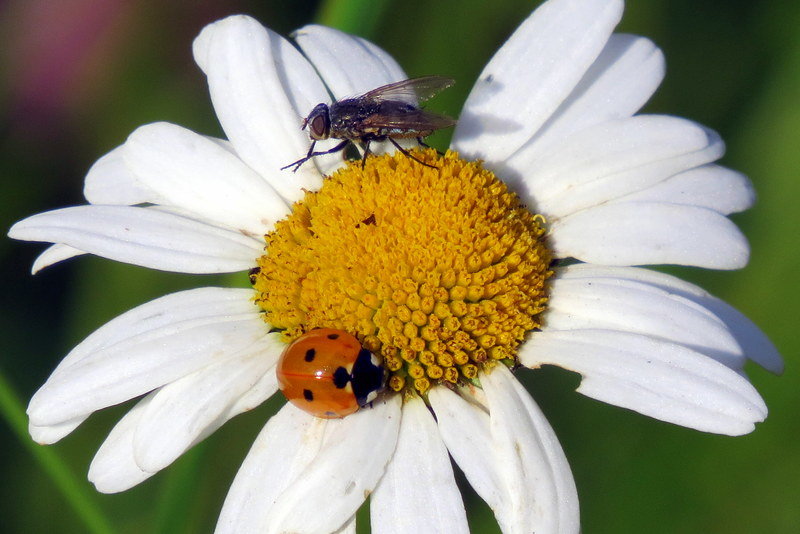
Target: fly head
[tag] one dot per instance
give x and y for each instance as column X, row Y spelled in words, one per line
column 318, row 122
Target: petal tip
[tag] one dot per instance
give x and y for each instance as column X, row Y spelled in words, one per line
column 202, row 43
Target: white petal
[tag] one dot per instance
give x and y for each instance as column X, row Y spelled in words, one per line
column 261, row 87
column 264, row 388
column 756, row 346
column 541, row 492
column 114, row 467
column 637, row 233
column 287, row 444
column 47, row 435
column 532, row 74
column 186, row 411
column 611, row 160
column 512, row 459
column 348, row 528
column 162, row 312
column 710, row 186
column 350, row 462
column 113, row 470
column 144, row 237
column 196, row 174
column 636, row 307
column 418, row 492
column 349, row 65
column 116, row 365
column 464, row 427
column 653, row 377
column 53, row 255
column 617, row 85
column 110, row 181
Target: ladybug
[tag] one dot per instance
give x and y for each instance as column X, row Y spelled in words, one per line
column 328, row 373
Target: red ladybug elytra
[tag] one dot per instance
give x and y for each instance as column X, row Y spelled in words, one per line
column 327, row 373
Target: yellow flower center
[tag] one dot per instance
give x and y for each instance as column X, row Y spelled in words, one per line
column 438, row 271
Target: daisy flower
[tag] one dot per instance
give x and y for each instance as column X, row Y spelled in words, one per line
column 517, row 248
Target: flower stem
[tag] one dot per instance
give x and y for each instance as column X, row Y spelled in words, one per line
column 74, row 490
column 179, row 489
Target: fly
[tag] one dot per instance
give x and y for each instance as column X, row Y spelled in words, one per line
column 389, row 112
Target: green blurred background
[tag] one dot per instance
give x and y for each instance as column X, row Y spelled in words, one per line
column 76, row 76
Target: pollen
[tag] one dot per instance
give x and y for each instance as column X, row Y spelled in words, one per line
column 440, row 271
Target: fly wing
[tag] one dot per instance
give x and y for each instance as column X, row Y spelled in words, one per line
column 410, row 91
column 413, row 120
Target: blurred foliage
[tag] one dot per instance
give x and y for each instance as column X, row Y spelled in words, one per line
column 106, row 67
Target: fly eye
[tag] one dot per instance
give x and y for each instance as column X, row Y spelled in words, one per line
column 319, row 127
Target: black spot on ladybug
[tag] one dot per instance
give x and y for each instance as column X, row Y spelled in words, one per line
column 333, row 336
column 341, row 377
column 308, row 395
column 253, row 273
column 310, row 353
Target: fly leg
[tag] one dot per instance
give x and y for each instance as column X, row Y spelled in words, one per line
column 366, row 151
column 311, row 154
column 423, row 144
column 409, row 155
